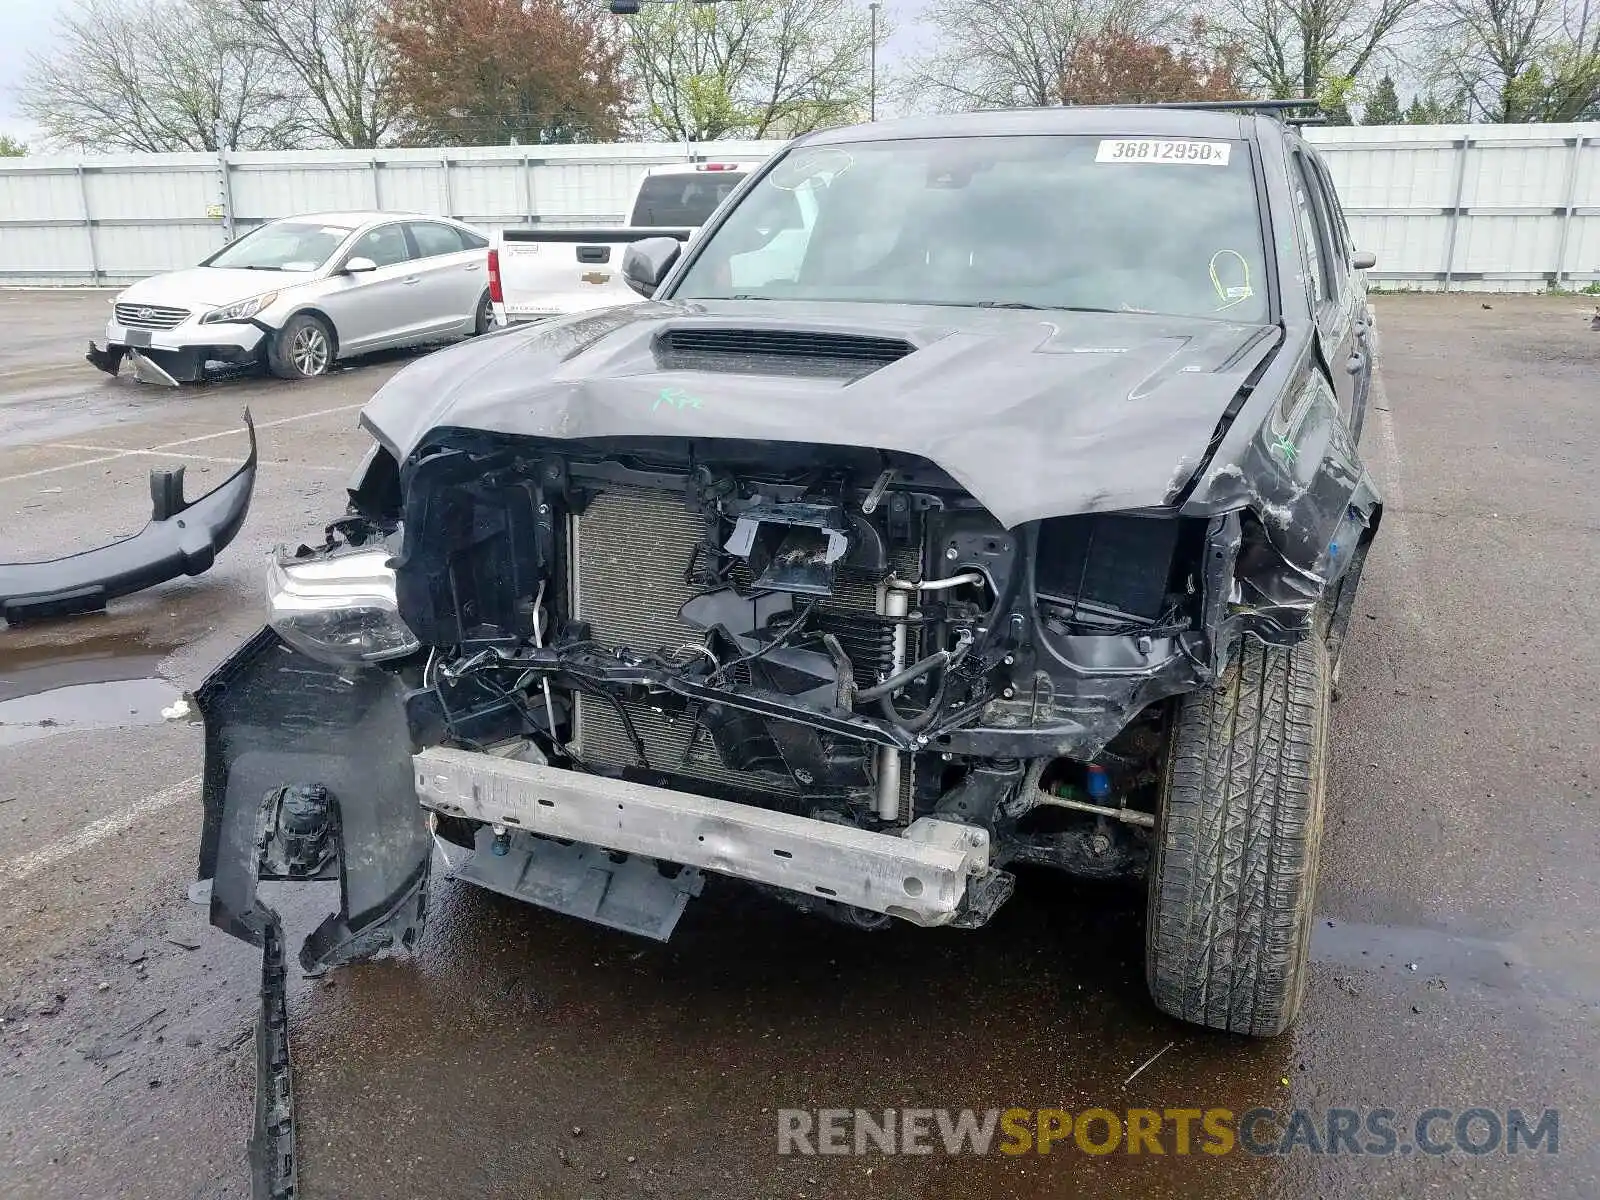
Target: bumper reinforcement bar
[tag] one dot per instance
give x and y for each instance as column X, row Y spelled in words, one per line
column 922, row 876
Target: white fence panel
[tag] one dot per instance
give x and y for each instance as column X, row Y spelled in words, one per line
column 113, row 220
column 1471, row 207
column 1475, row 207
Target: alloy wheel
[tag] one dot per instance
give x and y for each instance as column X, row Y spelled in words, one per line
column 309, row 351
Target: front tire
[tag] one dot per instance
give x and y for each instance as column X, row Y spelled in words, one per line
column 302, row 349
column 1234, row 879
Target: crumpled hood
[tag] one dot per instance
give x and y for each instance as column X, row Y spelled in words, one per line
column 207, row 287
column 1036, row 414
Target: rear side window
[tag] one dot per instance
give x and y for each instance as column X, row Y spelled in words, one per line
column 1330, row 195
column 433, row 238
column 681, row 199
column 1311, row 235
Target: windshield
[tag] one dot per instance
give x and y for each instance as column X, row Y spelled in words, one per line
column 282, row 246
column 680, row 198
column 1165, row 225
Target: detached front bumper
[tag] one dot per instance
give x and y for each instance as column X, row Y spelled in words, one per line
column 177, row 355
column 183, row 537
column 937, row 873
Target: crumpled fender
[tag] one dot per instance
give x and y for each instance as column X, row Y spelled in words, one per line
column 182, row 538
column 308, row 776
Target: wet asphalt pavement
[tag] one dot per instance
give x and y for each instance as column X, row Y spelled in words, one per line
column 1457, row 963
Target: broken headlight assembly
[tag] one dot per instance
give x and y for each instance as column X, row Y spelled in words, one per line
column 338, row 608
column 240, row 310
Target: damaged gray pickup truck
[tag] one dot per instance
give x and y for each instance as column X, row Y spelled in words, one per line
column 974, row 492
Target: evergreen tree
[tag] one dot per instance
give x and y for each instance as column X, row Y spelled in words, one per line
column 1383, row 106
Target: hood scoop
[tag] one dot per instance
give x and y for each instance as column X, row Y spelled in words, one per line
column 776, row 352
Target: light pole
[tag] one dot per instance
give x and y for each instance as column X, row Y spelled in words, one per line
column 872, row 87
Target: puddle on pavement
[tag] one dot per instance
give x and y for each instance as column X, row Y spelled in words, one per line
column 101, row 683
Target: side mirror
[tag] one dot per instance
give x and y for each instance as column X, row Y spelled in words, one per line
column 647, row 262
column 1363, row 260
column 359, row 266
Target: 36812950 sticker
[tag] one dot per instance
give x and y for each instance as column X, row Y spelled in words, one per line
column 1177, row 151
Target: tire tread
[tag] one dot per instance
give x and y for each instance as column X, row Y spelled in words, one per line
column 1234, row 877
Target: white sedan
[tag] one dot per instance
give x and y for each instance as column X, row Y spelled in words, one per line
column 299, row 294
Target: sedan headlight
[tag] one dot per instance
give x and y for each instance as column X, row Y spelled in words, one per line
column 339, row 609
column 241, row 310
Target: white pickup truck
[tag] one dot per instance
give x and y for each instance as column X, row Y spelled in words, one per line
column 537, row 273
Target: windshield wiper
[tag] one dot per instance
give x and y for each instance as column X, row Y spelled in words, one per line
column 1026, row 307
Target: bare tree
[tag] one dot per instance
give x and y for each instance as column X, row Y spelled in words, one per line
column 1573, row 93
column 1521, row 60
column 1003, row 53
column 748, row 68
column 1313, row 48
column 341, row 66
column 157, row 75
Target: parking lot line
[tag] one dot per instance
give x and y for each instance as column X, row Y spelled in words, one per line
column 114, row 451
column 82, row 462
column 204, row 437
column 1397, row 536
column 205, row 458
column 20, row 869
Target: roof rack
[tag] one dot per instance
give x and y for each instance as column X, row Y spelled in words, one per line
column 1286, row 111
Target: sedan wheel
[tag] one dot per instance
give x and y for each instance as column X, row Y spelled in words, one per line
column 302, row 349
column 310, row 351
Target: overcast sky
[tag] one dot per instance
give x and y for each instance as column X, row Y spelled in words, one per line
column 25, row 28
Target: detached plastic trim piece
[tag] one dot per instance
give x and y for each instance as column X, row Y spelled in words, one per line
column 273, row 1166
column 182, row 538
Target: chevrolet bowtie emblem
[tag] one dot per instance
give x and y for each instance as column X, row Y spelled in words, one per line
column 597, row 276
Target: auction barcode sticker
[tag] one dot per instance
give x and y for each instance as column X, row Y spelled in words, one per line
column 1164, row 150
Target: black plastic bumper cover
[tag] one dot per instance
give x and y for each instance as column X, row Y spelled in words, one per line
column 275, row 719
column 109, row 359
column 276, row 723
column 187, row 365
column 182, row 538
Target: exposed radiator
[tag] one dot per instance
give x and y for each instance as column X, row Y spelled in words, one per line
column 630, row 551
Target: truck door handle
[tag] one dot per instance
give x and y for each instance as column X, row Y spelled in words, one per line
column 410, row 279
column 594, row 254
